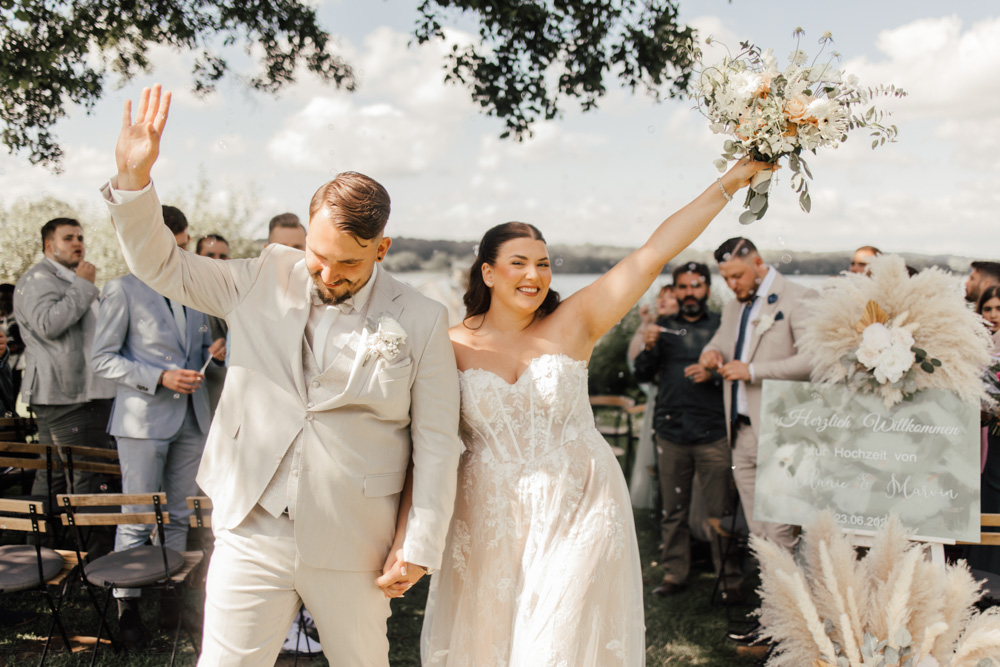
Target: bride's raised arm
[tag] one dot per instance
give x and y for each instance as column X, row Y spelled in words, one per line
column 600, row 305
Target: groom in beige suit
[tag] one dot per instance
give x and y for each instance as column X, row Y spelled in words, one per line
column 756, row 341
column 340, row 380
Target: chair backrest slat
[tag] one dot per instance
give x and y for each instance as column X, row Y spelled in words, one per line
column 23, row 525
column 29, row 464
column 25, row 448
column 105, row 499
column 990, row 520
column 93, row 452
column 113, row 518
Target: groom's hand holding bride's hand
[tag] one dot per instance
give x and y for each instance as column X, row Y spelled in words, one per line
column 139, row 143
column 398, row 576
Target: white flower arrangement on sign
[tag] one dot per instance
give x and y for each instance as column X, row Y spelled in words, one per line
column 893, row 608
column 769, row 113
column 894, row 335
column 385, row 336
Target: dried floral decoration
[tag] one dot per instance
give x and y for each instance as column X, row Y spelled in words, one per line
column 894, row 335
column 892, row 608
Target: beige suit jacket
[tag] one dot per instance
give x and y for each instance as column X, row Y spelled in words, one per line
column 357, row 442
column 773, row 353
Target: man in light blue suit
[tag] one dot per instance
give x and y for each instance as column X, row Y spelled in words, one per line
column 155, row 350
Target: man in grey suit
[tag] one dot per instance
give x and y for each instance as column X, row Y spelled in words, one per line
column 756, row 341
column 53, row 306
column 154, row 349
column 333, row 455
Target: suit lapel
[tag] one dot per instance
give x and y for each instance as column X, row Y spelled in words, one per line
column 767, row 308
column 296, row 314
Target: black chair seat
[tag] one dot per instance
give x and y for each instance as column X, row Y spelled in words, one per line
column 132, row 568
column 19, row 567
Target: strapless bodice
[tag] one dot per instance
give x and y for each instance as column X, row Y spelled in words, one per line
column 544, row 409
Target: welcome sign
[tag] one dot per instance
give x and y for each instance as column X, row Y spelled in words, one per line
column 823, row 446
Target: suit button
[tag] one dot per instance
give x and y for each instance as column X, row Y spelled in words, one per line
column 309, row 404
column 309, row 417
column 315, row 384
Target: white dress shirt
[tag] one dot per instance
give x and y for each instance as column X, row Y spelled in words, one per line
column 762, row 290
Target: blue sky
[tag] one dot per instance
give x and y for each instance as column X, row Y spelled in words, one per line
column 607, row 176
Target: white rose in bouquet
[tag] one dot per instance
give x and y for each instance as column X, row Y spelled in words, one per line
column 893, row 363
column 876, row 336
column 902, row 337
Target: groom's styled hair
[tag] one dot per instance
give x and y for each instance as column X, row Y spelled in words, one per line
column 355, row 203
column 737, row 247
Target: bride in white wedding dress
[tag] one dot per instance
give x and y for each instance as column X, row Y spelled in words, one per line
column 542, row 566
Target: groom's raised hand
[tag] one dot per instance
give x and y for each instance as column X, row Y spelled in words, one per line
column 139, row 142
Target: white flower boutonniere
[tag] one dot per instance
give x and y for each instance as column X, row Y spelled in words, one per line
column 763, row 323
column 385, row 336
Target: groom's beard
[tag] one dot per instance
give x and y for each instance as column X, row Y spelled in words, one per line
column 345, row 290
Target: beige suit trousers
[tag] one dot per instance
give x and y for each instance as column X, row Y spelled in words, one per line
column 256, row 584
column 745, row 474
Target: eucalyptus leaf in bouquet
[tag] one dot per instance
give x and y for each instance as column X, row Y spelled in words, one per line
column 769, row 114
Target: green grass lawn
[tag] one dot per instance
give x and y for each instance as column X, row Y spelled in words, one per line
column 685, row 629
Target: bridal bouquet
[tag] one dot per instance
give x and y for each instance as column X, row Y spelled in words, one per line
column 892, row 608
column 894, row 335
column 769, row 113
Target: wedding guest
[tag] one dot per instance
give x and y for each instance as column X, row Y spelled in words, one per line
column 285, row 229
column 982, row 557
column 215, row 246
column 643, row 485
column 690, row 425
column 212, row 245
column 8, row 398
column 756, row 341
column 53, row 307
column 154, row 348
column 666, row 305
column 989, row 307
column 863, row 257
column 981, row 276
column 15, row 346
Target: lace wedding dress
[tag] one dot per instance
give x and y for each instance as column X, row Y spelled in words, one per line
column 542, row 565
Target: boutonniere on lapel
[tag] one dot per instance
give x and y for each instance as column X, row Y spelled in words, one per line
column 385, row 336
column 766, row 321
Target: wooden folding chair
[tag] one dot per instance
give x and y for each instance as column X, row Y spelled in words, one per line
column 611, row 414
column 144, row 566
column 78, row 457
column 17, row 429
column 25, row 567
column 25, row 456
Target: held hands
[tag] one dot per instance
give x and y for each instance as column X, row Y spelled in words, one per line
column 139, row 143
column 182, row 380
column 398, row 576
column 87, row 271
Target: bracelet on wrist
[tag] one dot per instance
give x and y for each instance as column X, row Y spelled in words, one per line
column 725, row 194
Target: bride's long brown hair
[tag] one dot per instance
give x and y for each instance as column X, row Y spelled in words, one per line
column 477, row 297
